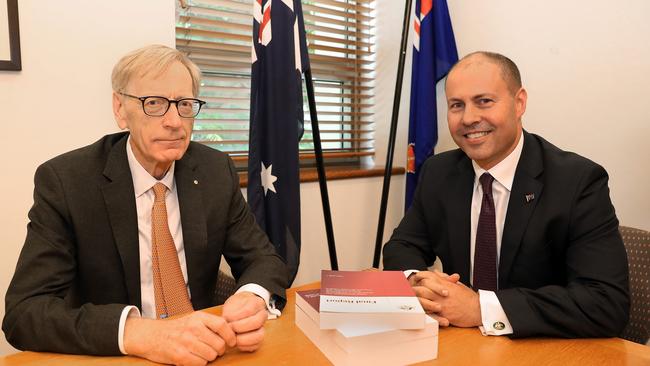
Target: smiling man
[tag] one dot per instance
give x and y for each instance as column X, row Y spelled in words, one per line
column 130, row 231
column 526, row 233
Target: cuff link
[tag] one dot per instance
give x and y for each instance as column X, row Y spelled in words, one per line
column 498, row 326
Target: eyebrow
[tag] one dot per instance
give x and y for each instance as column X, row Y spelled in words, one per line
column 474, row 97
column 483, row 95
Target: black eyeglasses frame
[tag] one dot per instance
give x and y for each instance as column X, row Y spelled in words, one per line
column 169, row 103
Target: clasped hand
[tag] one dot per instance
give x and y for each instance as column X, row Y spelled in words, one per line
column 446, row 298
column 199, row 337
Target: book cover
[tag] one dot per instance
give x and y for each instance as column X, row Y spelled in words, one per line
column 368, row 298
column 309, row 302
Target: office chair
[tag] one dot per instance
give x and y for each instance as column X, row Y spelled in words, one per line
column 637, row 245
column 224, row 289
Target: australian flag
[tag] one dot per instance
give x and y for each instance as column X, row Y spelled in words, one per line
column 434, row 53
column 279, row 57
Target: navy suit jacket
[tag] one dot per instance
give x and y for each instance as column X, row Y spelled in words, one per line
column 80, row 262
column 563, row 267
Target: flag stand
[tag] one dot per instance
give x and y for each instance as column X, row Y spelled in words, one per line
column 320, row 167
column 392, row 135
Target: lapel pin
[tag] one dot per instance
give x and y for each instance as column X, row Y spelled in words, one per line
column 530, row 197
column 196, row 181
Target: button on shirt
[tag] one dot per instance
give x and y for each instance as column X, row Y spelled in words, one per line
column 494, row 319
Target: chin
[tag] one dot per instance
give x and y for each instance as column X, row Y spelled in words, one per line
column 171, row 155
column 476, row 155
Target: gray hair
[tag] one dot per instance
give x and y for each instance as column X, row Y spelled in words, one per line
column 153, row 58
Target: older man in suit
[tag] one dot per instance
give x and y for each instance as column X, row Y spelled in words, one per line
column 130, row 230
column 526, row 232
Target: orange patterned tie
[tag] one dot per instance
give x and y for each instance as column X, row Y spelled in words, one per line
column 168, row 283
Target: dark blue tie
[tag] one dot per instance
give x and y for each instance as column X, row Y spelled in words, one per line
column 485, row 252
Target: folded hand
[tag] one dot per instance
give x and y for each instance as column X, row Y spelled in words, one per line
column 246, row 313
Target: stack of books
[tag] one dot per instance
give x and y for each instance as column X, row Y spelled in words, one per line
column 367, row 318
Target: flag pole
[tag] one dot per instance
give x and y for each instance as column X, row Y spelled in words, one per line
column 392, row 135
column 320, row 167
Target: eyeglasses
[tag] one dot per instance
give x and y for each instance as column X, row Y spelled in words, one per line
column 156, row 106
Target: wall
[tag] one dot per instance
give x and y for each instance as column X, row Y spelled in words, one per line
column 586, row 67
column 61, row 98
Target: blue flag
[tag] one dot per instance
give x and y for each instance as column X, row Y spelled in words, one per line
column 434, row 53
column 279, row 56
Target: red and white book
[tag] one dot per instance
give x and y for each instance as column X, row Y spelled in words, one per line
column 368, row 299
column 361, row 345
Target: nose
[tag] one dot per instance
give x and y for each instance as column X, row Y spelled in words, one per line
column 172, row 119
column 470, row 115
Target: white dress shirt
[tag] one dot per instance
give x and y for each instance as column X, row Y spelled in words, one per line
column 494, row 319
column 143, row 183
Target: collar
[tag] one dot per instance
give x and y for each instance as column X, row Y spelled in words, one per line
column 504, row 171
column 142, row 180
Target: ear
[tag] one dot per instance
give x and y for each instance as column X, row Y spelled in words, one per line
column 520, row 102
column 119, row 112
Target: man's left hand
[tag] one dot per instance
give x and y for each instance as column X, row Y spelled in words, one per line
column 246, row 313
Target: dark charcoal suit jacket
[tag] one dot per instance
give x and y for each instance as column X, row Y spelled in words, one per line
column 79, row 266
column 563, row 267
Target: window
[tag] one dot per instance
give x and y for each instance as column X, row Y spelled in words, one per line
column 216, row 35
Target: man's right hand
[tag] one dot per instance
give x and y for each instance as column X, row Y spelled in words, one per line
column 429, row 287
column 194, row 339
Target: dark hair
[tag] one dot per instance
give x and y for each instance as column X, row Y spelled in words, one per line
column 509, row 70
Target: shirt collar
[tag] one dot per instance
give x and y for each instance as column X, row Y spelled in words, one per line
column 504, row 171
column 142, row 180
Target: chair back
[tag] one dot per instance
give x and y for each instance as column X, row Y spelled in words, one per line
column 637, row 245
column 226, row 286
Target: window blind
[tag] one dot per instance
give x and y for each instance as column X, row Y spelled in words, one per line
column 216, row 35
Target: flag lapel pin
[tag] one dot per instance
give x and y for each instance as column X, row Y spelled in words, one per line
column 530, row 197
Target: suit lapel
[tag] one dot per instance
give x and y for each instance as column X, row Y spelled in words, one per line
column 459, row 203
column 119, row 198
column 526, row 191
column 195, row 240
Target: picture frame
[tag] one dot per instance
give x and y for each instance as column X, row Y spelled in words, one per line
column 9, row 37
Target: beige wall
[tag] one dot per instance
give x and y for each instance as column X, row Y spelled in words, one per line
column 61, row 98
column 586, row 66
column 584, row 63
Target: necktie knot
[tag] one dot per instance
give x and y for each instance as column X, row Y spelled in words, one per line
column 486, row 182
column 159, row 190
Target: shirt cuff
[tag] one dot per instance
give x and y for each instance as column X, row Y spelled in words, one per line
column 494, row 319
column 265, row 295
column 409, row 272
column 128, row 312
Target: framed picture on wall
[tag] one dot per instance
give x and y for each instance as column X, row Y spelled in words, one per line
column 9, row 36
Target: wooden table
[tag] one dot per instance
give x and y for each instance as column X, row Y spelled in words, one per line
column 285, row 344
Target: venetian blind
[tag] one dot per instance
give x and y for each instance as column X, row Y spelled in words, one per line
column 216, row 35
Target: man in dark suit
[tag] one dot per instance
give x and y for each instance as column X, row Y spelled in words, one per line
column 531, row 227
column 96, row 268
